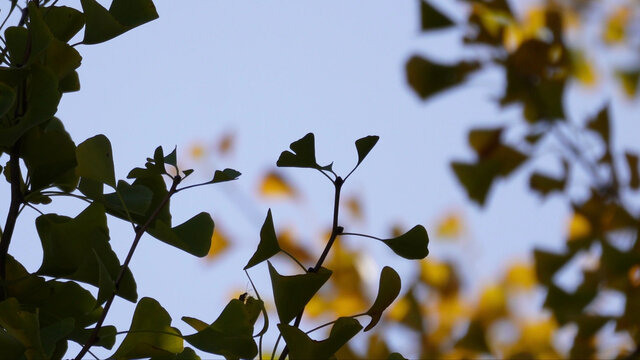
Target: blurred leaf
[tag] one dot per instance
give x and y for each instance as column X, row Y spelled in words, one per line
column 364, row 146
column 274, row 185
column 70, row 247
column 388, row 290
column 450, row 226
column 292, row 293
column 485, row 141
column 476, row 178
column 600, row 124
column 301, row 346
column 615, row 27
column 268, row 245
column 225, row 175
column 414, row 244
column 566, row 306
column 303, row 155
column 634, row 173
column 544, row 184
column 547, row 264
column 492, row 303
column 582, row 69
column 579, row 227
column 431, row 18
column 428, row 78
column 95, row 160
column 231, row 335
column 629, row 81
column 474, row 339
column 226, row 143
column 354, row 207
column 219, row 243
column 520, row 276
column 407, row 312
column 396, row 356
column 150, row 333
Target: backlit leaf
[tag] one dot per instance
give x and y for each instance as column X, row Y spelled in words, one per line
column 132, row 13
column 7, row 97
column 303, row 155
column 150, row 333
column 100, row 24
column 268, row 245
column 273, row 184
column 450, row 226
column 95, row 160
column 22, row 326
column 219, row 243
column 364, row 146
column 431, row 18
column 301, row 346
column 39, row 31
column 231, row 335
column 64, row 22
column 428, row 78
column 292, row 293
column 225, row 175
column 192, row 236
column 414, row 244
column 388, row 290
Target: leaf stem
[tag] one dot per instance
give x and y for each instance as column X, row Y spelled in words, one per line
column 335, row 231
column 125, row 266
column 12, row 216
column 294, row 259
column 363, row 235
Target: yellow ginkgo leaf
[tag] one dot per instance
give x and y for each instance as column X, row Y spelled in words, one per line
column 450, row 226
column 316, row 306
column 578, row 227
column 274, row 185
column 354, row 207
column 219, row 244
column 615, row 28
column 435, row 273
column 582, row 69
column 536, row 336
column 399, row 309
column 196, row 151
column 492, row 303
column 348, row 304
column 286, row 240
column 629, row 81
column 225, row 145
column 520, row 276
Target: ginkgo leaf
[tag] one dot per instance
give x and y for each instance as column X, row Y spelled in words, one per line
column 303, row 155
column 450, row 226
column 547, row 264
column 150, row 333
column 7, row 97
column 475, row 338
column 634, row 173
column 364, row 146
column 431, row 18
column 273, row 184
column 485, row 140
column 292, row 293
column 95, row 160
column 629, row 80
column 414, row 244
column 388, row 291
column 600, row 124
column 231, row 335
column 301, row 346
column 544, row 184
column 225, row 175
column 428, row 78
column 268, row 245
column 219, row 243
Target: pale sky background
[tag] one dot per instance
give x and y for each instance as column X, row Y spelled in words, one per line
column 271, row 72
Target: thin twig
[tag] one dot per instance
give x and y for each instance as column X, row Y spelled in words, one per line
column 93, row 338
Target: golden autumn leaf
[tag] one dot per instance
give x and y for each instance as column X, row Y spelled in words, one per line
column 354, row 207
column 399, row 309
column 197, row 151
column 582, row 69
column 536, row 338
column 450, row 226
column 629, row 82
column 578, row 227
column 520, row 276
column 286, row 239
column 614, row 31
column 274, row 185
column 435, row 273
column 348, row 304
column 492, row 303
column 226, row 143
column 219, row 244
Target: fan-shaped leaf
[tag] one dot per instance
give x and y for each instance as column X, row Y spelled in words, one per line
column 225, row 175
column 95, row 160
column 414, row 244
column 364, row 146
column 303, row 155
column 292, row 293
column 302, row 346
column 388, row 291
column 432, row 18
column 268, row 245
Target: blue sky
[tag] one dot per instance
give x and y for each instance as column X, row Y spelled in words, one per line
column 271, row 72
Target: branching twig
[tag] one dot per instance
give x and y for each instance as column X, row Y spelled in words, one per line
column 93, row 338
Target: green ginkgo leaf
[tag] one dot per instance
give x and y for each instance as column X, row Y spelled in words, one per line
column 225, row 175
column 95, row 160
column 431, row 18
column 388, row 291
column 414, row 244
column 7, row 97
column 192, row 236
column 301, row 346
column 268, row 245
column 303, row 155
column 132, row 13
column 106, row 285
column 428, row 78
column 292, row 293
column 150, row 333
column 231, row 335
column 64, row 22
column 364, row 146
column 100, row 24
column 39, row 31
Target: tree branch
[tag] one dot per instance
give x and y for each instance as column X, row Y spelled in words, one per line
column 12, row 216
column 125, row 266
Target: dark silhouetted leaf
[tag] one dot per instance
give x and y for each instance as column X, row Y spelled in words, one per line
column 7, row 97
column 22, row 326
column 225, row 175
column 544, row 184
column 600, row 124
column 431, row 18
column 100, row 24
column 292, row 293
column 485, row 141
column 547, row 264
column 268, row 245
column 428, row 78
column 64, row 22
column 136, row 198
column 388, row 290
column 150, row 333
column 39, row 31
column 70, row 246
column 132, row 13
column 192, row 236
column 301, row 346
column 414, row 244
column 364, row 146
column 95, row 160
column 231, row 335
column 303, row 155
column 474, row 339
